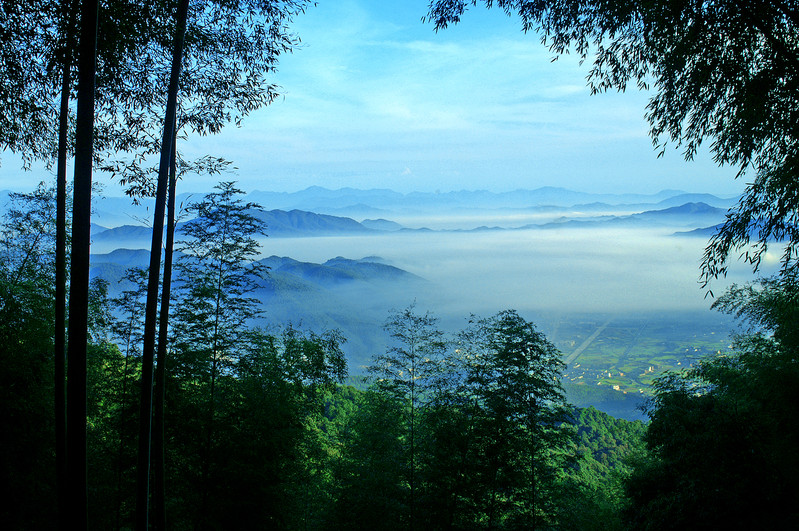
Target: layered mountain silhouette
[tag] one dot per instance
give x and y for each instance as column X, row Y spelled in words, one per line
column 299, row 223
column 280, row 224
column 685, row 215
column 375, row 204
column 346, row 294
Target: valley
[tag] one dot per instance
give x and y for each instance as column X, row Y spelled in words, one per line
column 614, row 287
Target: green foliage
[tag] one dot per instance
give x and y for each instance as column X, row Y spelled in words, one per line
column 520, row 441
column 27, row 247
column 112, row 415
column 128, row 305
column 407, row 373
column 27, row 465
column 465, row 434
column 373, row 469
column 216, row 268
column 231, row 48
column 604, row 443
column 268, row 412
column 26, row 353
column 27, row 123
column 468, row 438
column 592, row 494
column 408, row 368
column 216, row 275
column 26, row 346
column 722, row 435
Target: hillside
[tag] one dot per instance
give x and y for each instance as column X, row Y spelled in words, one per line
column 281, row 223
column 684, row 215
column 341, row 293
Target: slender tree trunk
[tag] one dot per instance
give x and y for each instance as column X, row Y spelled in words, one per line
column 60, row 361
column 533, row 447
column 413, row 441
column 209, row 437
column 148, row 349
column 122, row 394
column 159, row 474
column 60, row 299
column 492, row 500
column 206, row 472
column 77, row 501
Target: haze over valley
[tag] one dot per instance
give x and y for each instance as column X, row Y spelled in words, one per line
column 612, row 280
column 438, row 264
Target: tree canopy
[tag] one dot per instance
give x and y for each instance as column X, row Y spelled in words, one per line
column 722, row 433
column 231, row 51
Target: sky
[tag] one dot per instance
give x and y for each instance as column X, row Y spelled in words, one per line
column 375, row 98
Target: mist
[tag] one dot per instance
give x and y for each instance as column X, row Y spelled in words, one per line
column 616, row 295
column 607, row 291
column 539, row 271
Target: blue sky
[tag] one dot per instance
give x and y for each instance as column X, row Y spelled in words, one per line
column 376, row 99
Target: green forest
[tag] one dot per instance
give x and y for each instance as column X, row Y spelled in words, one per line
column 164, row 407
column 265, row 429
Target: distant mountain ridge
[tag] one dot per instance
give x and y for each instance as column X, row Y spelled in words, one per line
column 302, row 223
column 351, row 200
column 121, row 210
column 318, row 211
column 333, row 272
column 339, row 270
column 279, row 223
column 686, row 215
column 298, row 223
column 341, row 293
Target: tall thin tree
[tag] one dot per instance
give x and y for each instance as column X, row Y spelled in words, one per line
column 159, row 487
column 218, row 274
column 148, row 349
column 79, row 274
column 407, row 371
column 67, row 18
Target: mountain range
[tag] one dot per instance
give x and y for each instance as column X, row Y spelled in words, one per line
column 354, row 295
column 349, row 200
column 380, row 203
column 344, row 294
column 297, row 223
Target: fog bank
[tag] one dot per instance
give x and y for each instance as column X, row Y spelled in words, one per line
column 564, row 270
